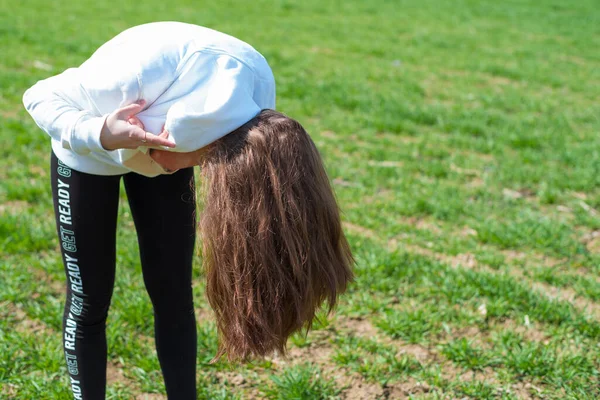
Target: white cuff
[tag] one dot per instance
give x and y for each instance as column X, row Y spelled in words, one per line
column 85, row 135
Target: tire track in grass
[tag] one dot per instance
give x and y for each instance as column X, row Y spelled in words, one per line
column 352, row 384
column 490, row 283
column 450, row 371
column 429, row 357
column 446, row 378
column 469, row 261
column 319, row 352
column 316, row 355
column 408, row 385
column 552, row 265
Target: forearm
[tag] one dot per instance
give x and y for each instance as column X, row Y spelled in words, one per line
column 57, row 115
column 173, row 161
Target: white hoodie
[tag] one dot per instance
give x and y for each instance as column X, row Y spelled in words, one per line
column 200, row 84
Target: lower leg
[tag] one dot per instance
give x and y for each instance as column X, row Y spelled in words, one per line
column 163, row 210
column 176, row 341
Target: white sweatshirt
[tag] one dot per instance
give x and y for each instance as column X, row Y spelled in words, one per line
column 199, row 83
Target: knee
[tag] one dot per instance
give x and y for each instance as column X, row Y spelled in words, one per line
column 87, row 311
column 172, row 303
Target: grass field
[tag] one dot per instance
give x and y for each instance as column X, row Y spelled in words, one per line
column 463, row 141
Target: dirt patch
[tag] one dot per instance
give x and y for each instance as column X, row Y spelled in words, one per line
column 23, row 323
column 234, row 378
column 579, row 195
column 315, row 354
column 57, row 287
column 115, row 375
column 419, row 352
column 564, row 209
column 500, row 80
column 511, row 194
column 470, row 332
column 424, row 224
column 204, row 314
column 475, row 183
column 249, row 387
column 524, row 390
column 13, row 207
column 358, row 389
column 467, row 231
column 38, row 170
column 329, row 134
column 531, row 330
column 364, row 328
column 411, row 248
column 569, row 295
column 342, row 182
column 383, row 194
column 360, row 230
column 466, row 260
column 359, row 326
column 150, row 396
column 513, row 256
column 574, row 60
column 385, row 163
column 592, row 242
column 406, row 389
column 465, row 171
column 486, row 375
column 9, row 390
column 591, row 210
column 400, row 138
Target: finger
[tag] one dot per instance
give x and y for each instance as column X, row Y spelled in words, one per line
column 133, row 120
column 132, row 109
column 164, row 134
column 154, row 140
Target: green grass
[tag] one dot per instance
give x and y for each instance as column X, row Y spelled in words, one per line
column 301, row 382
column 463, row 142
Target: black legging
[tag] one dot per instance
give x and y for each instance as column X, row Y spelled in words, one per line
column 163, row 209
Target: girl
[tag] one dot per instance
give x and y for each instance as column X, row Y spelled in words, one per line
column 149, row 105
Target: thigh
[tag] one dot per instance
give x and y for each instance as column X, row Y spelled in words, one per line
column 86, row 207
column 163, row 209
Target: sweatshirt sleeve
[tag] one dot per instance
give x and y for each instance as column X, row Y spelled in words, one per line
column 71, row 107
column 213, row 106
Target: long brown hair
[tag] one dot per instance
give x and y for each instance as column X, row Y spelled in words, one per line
column 272, row 242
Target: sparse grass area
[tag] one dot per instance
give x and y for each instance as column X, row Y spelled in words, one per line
column 463, row 141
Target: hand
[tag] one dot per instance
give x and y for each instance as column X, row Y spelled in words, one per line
column 123, row 130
